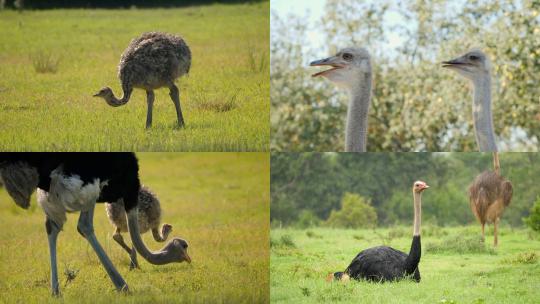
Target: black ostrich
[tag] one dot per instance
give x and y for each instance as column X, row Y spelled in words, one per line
column 71, row 182
column 384, row 263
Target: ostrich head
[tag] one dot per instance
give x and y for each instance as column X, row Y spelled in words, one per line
column 472, row 65
column 419, row 186
column 105, row 93
column 347, row 66
column 165, row 230
column 176, row 251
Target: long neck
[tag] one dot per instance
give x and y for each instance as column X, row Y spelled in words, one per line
column 417, row 213
column 483, row 121
column 357, row 115
column 496, row 165
column 157, row 258
column 115, row 102
column 411, row 263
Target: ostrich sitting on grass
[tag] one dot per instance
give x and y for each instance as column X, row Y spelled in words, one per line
column 382, row 263
column 149, row 218
column 150, row 62
column 71, row 182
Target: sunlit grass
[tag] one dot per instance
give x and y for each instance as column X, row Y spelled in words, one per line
column 224, row 99
column 218, row 202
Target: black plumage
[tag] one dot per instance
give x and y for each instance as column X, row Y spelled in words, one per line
column 384, row 263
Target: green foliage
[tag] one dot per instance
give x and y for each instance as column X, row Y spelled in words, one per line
column 523, row 258
column 45, row 63
column 307, row 219
column 416, row 105
column 459, row 244
column 318, row 181
column 224, row 98
column 533, row 221
column 355, row 212
column 459, row 277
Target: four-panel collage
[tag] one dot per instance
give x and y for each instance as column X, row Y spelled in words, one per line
column 270, row 151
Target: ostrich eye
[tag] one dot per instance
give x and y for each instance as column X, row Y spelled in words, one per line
column 474, row 57
column 347, row 56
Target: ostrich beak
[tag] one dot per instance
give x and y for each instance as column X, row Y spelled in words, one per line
column 454, row 63
column 425, row 186
column 188, row 259
column 330, row 61
column 96, row 95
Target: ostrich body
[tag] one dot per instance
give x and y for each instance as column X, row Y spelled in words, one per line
column 384, row 263
column 74, row 182
column 149, row 219
column 150, row 62
column 489, row 195
column 476, row 67
column 351, row 69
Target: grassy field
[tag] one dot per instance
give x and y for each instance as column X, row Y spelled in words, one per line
column 455, row 267
column 219, row 202
column 224, row 99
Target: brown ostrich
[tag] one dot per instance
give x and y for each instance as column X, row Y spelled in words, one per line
column 489, row 194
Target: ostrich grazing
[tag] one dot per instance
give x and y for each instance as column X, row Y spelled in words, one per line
column 71, row 182
column 150, row 62
column 351, row 69
column 384, row 263
column 489, row 195
column 149, row 218
column 476, row 67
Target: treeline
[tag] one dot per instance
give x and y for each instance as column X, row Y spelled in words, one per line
column 315, row 183
column 40, row 4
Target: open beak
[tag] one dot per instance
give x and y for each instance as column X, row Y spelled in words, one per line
column 453, row 63
column 330, row 61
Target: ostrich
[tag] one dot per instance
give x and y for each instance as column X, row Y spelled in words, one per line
column 71, row 182
column 384, row 263
column 351, row 69
column 149, row 218
column 476, row 67
column 151, row 61
column 489, row 195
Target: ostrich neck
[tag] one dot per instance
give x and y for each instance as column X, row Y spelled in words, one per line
column 357, row 115
column 115, row 102
column 412, row 260
column 157, row 258
column 417, row 213
column 483, row 121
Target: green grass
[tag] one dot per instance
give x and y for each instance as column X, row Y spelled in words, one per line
column 218, row 202
column 300, row 260
column 53, row 61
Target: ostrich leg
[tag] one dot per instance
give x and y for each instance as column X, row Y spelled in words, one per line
column 150, row 101
column 86, row 228
column 483, row 233
column 175, row 96
column 495, row 239
column 131, row 251
column 52, row 235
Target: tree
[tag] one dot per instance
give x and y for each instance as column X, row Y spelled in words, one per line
column 355, row 212
column 416, row 105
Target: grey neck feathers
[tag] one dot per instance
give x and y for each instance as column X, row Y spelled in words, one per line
column 157, row 258
column 483, row 121
column 417, row 213
column 115, row 102
column 357, row 115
